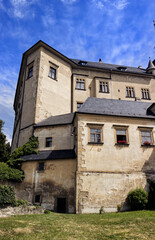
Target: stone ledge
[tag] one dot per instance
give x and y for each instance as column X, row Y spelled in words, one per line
column 9, row 211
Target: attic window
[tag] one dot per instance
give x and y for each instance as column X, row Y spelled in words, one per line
column 121, row 68
column 83, row 63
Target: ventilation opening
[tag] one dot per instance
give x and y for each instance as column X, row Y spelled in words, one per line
column 121, row 68
column 61, row 205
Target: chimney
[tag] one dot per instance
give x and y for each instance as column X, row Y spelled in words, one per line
column 100, row 60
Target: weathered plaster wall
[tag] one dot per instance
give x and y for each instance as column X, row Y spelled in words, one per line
column 96, row 162
column 117, row 85
column 56, row 181
column 62, row 137
column 53, row 96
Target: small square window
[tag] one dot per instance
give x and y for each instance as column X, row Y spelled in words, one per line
column 95, row 133
column 104, row 87
column 146, row 137
column 145, row 93
column 41, row 166
column 80, row 84
column 49, row 142
column 52, row 72
column 121, row 136
column 30, row 72
column 79, row 105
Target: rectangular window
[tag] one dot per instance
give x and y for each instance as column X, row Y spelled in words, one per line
column 49, row 142
column 37, row 199
column 41, row 166
column 80, row 84
column 95, row 133
column 121, row 135
column 79, row 105
column 103, row 87
column 145, row 93
column 30, row 72
column 52, row 73
column 146, row 137
column 130, row 92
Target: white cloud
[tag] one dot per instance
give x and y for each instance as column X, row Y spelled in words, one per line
column 21, row 8
column 1, row 5
column 118, row 4
column 68, row 1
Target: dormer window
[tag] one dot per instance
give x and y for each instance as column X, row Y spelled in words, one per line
column 83, row 63
column 121, row 68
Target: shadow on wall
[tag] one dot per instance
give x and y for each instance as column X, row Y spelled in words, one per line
column 149, row 170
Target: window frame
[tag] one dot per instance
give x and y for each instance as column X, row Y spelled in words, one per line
column 145, row 93
column 52, row 72
column 48, row 141
column 129, row 92
column 40, row 198
column 30, row 66
column 121, row 128
column 95, row 127
column 77, row 105
column 103, row 85
column 39, row 169
column 55, row 68
column 81, row 82
column 146, row 129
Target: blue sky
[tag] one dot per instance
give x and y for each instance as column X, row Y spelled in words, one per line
column 118, row 31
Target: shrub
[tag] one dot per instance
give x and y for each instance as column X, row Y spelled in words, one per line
column 137, row 199
column 119, row 208
column 47, row 211
column 20, row 202
column 10, row 174
column 7, row 195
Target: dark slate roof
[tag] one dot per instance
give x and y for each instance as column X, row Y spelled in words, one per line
column 108, row 66
column 51, row 155
column 56, row 120
column 150, row 64
column 116, row 108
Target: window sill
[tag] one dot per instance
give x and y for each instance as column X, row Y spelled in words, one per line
column 146, row 98
column 80, row 89
column 129, row 97
column 122, row 144
column 103, row 92
column 53, row 78
column 29, row 77
column 143, row 145
column 96, row 143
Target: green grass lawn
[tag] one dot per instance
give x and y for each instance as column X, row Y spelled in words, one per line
column 127, row 225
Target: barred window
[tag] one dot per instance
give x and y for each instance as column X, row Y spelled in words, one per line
column 145, row 93
column 130, row 92
column 80, row 84
column 104, row 87
column 49, row 142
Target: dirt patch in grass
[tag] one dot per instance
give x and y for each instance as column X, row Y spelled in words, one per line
column 23, row 230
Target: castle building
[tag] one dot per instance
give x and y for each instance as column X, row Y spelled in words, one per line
column 95, row 124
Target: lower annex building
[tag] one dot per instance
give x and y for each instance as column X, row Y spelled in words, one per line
column 95, row 124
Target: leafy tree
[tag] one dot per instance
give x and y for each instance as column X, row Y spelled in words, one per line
column 5, row 148
column 138, row 199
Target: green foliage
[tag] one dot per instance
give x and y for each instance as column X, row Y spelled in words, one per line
column 20, row 202
column 119, row 208
column 7, row 195
column 151, row 198
column 10, row 174
column 47, row 211
column 27, row 149
column 5, row 148
column 137, row 199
